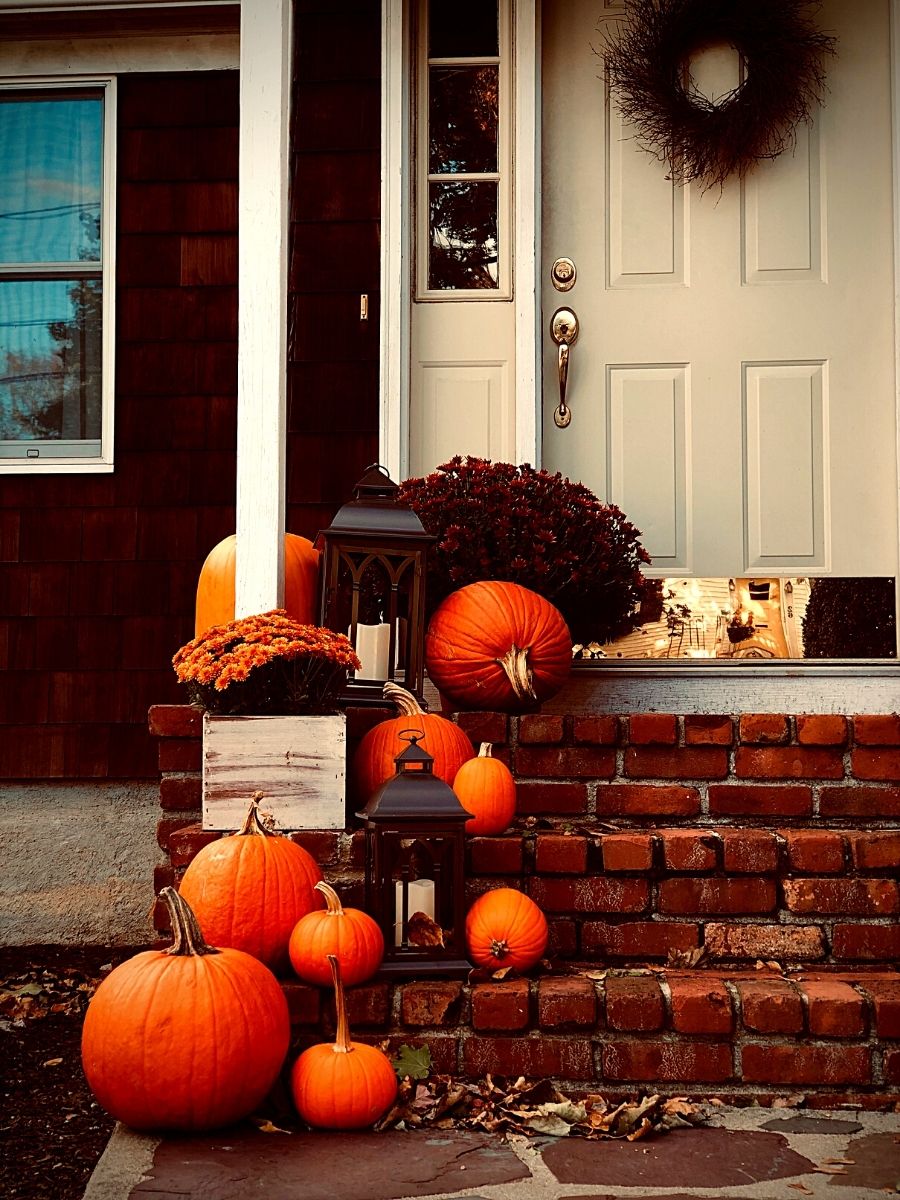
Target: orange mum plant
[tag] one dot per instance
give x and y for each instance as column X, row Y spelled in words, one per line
column 266, row 664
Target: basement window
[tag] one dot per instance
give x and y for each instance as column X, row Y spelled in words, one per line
column 56, row 377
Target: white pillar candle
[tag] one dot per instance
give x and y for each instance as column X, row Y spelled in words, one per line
column 419, row 898
column 373, row 645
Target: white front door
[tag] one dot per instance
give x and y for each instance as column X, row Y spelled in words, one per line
column 732, row 387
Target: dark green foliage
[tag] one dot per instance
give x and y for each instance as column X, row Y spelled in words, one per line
column 850, row 618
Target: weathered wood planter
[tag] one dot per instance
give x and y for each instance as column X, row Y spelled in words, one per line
column 298, row 763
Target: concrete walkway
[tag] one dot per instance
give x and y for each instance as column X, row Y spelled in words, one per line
column 757, row 1153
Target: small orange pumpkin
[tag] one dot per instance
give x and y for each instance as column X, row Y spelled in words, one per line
column 215, row 587
column 505, row 928
column 347, row 1085
column 485, row 786
column 496, row 645
column 187, row 1038
column 249, row 890
column 373, row 762
column 351, row 935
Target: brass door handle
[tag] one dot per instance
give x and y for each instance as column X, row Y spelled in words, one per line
column 564, row 331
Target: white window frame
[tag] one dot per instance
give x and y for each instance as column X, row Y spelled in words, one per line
column 61, row 464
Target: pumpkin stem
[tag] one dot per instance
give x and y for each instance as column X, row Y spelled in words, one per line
column 342, row 1043
column 332, row 900
column 485, row 750
column 405, row 701
column 515, row 663
column 500, row 949
column 253, row 823
column 185, row 928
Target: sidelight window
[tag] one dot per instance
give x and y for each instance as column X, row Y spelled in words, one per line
column 463, row 178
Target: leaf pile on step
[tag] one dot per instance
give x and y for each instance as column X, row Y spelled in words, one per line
column 37, row 993
column 533, row 1109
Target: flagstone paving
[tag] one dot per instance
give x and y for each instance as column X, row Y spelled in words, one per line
column 743, row 1154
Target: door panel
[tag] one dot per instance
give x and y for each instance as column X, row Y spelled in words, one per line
column 732, row 386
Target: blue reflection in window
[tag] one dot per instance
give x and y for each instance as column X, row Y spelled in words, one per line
column 51, row 182
column 50, row 359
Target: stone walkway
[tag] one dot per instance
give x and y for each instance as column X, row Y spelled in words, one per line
column 753, row 1153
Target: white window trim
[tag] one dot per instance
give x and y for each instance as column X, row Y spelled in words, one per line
column 102, row 463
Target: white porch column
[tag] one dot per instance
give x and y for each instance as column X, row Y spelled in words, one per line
column 262, row 303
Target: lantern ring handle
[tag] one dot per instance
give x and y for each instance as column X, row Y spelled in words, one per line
column 410, row 735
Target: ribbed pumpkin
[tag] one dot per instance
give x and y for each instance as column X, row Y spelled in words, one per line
column 485, row 786
column 347, row 1085
column 498, row 646
column 505, row 928
column 215, row 588
column 249, row 890
column 188, row 1038
column 374, row 763
column 351, row 935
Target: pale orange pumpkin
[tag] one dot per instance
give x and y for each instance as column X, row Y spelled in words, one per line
column 347, row 1085
column 496, row 645
column 187, row 1038
column 215, row 587
column 373, row 762
column 352, row 936
column 249, row 890
column 505, row 928
column 485, row 787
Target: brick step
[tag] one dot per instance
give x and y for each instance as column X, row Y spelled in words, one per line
column 745, row 1034
column 825, row 896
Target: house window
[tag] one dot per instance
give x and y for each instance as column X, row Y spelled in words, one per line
column 463, row 142
column 55, row 277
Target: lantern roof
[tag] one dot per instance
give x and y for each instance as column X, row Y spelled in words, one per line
column 415, row 793
column 376, row 511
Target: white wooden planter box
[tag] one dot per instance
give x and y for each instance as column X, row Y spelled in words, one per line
column 298, row 763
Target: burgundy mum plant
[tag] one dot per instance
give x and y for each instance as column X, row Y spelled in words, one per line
column 500, row 521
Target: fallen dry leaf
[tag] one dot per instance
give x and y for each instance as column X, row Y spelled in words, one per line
column 422, row 931
column 264, row 1125
column 686, row 958
column 51, row 1062
column 849, row 1162
column 801, row 1187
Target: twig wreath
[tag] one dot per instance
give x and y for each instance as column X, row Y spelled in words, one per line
column 699, row 138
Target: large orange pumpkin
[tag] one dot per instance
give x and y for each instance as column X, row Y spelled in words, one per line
column 498, row 645
column 188, row 1038
column 352, row 936
column 215, row 587
column 249, row 890
column 505, row 928
column 485, row 787
column 373, row 762
column 347, row 1085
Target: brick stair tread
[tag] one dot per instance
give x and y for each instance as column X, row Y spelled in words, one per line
column 747, row 1030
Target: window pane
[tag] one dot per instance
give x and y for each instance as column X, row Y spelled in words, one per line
column 50, row 186
column 462, row 28
column 463, row 250
column 463, row 119
column 50, row 360
column 766, row 618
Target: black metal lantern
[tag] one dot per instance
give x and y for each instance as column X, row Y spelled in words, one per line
column 373, row 586
column 415, row 863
